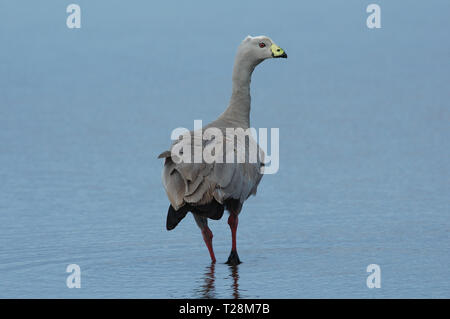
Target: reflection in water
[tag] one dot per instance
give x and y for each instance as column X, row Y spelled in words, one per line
column 234, row 269
column 208, row 289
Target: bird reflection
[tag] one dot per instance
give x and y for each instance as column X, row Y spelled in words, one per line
column 208, row 288
column 234, row 274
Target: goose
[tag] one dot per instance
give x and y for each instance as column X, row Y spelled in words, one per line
column 207, row 189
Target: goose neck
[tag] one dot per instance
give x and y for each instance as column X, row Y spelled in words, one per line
column 238, row 110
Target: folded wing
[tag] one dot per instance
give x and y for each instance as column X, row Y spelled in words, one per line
column 212, row 176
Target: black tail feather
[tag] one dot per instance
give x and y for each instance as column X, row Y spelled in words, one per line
column 213, row 210
column 175, row 216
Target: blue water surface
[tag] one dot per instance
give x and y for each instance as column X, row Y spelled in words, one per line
column 364, row 174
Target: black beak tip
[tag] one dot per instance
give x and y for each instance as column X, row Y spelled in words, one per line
column 284, row 55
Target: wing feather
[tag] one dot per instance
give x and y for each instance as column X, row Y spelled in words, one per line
column 200, row 183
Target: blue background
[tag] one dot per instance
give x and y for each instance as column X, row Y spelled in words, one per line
column 364, row 148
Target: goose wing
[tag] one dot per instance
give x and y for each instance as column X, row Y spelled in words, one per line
column 199, row 182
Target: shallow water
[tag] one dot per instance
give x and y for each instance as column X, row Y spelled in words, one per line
column 364, row 149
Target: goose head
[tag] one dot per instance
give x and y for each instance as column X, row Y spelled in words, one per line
column 257, row 49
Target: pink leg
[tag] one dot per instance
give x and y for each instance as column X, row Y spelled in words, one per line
column 233, row 222
column 233, row 259
column 207, row 237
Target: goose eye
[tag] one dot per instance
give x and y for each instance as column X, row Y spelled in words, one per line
column 262, row 44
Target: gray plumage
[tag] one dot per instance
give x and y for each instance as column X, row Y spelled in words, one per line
column 200, row 183
column 192, row 186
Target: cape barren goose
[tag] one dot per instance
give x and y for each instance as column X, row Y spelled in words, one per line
column 206, row 188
